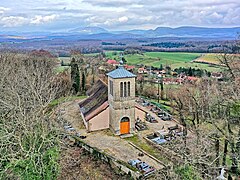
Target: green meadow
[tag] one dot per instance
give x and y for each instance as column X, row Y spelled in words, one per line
column 155, row 59
column 172, row 59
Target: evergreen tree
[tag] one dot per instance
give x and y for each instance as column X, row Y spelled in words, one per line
column 83, row 82
column 161, row 67
column 124, row 60
column 93, row 76
column 162, row 93
column 208, row 74
column 168, row 69
column 75, row 76
column 190, row 72
column 103, row 54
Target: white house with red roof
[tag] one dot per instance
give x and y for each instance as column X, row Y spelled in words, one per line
column 113, row 62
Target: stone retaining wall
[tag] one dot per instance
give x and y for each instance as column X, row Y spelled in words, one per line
column 113, row 162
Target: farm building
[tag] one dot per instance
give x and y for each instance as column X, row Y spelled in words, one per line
column 112, row 106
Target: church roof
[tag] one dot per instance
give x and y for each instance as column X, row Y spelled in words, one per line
column 120, row 72
column 96, row 102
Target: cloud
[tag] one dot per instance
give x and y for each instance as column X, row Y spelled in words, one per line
column 3, row 10
column 232, row 17
column 43, row 19
column 13, row 21
column 111, row 3
column 123, row 19
column 122, row 14
column 16, row 21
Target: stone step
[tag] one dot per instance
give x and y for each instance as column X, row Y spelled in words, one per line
column 126, row 136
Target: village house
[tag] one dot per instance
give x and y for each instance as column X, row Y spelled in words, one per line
column 163, row 72
column 191, row 79
column 129, row 68
column 112, row 62
column 142, row 71
column 112, row 106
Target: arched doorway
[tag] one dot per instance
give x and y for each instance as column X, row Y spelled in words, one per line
column 125, row 125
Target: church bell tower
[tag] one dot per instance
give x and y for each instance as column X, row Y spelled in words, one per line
column 121, row 99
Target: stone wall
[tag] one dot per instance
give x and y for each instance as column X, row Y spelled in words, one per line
column 114, row 163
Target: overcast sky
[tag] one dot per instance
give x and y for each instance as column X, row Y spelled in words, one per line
column 54, row 15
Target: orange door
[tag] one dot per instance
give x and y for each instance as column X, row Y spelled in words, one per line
column 125, row 127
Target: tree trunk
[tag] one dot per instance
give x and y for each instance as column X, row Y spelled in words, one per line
column 162, row 92
column 234, row 166
column 217, row 147
column 225, row 150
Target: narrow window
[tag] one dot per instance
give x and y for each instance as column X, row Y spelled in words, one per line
column 121, row 89
column 111, row 87
column 129, row 89
column 125, row 89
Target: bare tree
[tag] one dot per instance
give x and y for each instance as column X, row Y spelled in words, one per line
column 29, row 143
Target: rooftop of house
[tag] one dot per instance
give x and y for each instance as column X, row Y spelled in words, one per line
column 191, row 78
column 111, row 61
column 120, row 72
column 129, row 66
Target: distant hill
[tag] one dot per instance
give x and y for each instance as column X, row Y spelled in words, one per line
column 197, row 33
column 89, row 30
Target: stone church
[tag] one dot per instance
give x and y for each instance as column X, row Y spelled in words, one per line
column 112, row 106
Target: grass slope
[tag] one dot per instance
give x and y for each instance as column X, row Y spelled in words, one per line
column 210, row 58
column 173, row 59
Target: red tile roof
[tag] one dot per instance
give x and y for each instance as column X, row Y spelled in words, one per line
column 129, row 67
column 111, row 61
column 191, row 78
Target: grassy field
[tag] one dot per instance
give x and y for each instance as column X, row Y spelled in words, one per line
column 91, row 54
column 60, row 69
column 110, row 54
column 209, row 58
column 172, row 59
column 156, row 58
column 66, row 60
